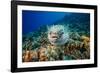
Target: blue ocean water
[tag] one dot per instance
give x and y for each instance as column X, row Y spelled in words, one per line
column 32, row 20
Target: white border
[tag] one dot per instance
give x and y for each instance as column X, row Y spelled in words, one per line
column 54, row 63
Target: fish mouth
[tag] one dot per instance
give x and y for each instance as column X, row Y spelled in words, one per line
column 54, row 37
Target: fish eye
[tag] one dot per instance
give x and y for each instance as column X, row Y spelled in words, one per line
column 62, row 33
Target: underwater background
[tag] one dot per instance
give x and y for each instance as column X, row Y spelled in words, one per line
column 34, row 34
column 33, row 20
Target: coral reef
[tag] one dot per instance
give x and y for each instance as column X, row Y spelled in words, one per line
column 39, row 47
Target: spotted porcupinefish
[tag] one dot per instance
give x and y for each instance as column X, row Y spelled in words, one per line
column 58, row 34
